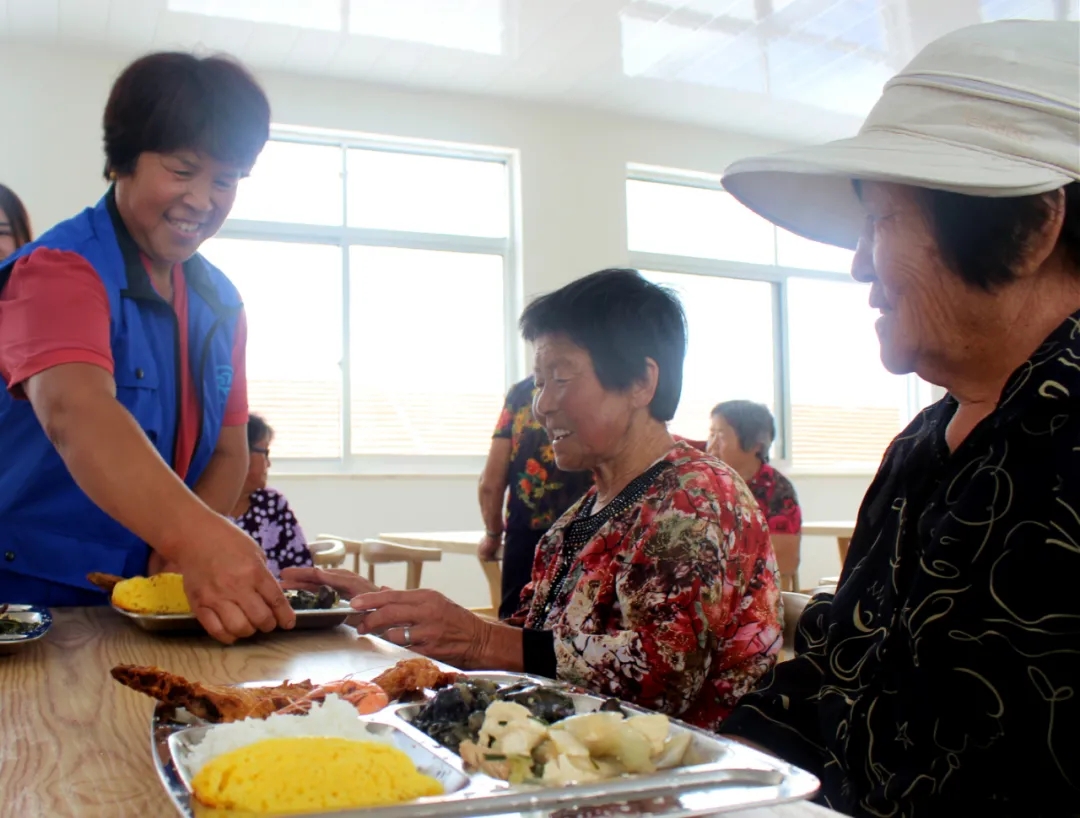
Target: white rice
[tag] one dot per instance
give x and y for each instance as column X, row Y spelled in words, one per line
column 334, row 718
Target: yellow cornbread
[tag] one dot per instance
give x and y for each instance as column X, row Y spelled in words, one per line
column 159, row 594
column 309, row 774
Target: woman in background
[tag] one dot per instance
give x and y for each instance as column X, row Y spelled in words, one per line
column 522, row 461
column 741, row 434
column 265, row 513
column 14, row 223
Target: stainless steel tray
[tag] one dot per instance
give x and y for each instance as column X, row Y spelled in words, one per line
column 34, row 615
column 187, row 623
column 720, row 775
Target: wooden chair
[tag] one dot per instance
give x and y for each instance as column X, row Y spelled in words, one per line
column 788, row 551
column 328, row 552
column 794, row 604
column 377, row 552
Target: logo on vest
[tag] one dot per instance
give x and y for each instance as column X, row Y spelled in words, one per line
column 224, row 375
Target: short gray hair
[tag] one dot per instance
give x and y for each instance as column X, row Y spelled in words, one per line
column 753, row 424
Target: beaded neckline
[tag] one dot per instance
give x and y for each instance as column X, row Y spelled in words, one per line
column 585, row 525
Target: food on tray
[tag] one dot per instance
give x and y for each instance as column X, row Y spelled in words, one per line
column 366, row 697
column 321, row 600
column 214, row 703
column 105, row 582
column 545, row 703
column 456, row 713
column 533, row 733
column 412, row 676
column 10, row 626
column 159, row 594
column 164, row 594
column 225, row 703
column 516, row 746
column 288, row 764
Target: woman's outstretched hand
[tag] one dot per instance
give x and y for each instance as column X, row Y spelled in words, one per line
column 341, row 580
column 427, row 622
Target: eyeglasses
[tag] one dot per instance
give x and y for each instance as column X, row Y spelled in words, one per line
column 257, row 450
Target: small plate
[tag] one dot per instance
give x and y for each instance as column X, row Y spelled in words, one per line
column 187, row 623
column 34, row 615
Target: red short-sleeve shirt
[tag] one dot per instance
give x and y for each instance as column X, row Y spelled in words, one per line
column 54, row 310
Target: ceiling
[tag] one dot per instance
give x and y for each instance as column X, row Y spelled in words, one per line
column 792, row 69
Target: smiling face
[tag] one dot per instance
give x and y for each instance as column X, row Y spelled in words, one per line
column 927, row 311
column 587, row 423
column 173, row 202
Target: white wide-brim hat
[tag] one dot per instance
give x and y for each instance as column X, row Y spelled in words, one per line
column 990, row 110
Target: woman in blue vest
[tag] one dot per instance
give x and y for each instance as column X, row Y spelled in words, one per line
column 123, row 424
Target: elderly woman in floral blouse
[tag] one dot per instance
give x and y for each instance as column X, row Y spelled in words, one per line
column 659, row 586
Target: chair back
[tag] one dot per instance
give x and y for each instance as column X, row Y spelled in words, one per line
column 379, row 552
column 794, row 604
column 327, row 552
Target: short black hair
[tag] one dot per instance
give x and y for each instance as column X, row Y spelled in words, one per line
column 17, row 217
column 753, row 424
column 620, row 319
column 982, row 238
column 258, row 429
column 172, row 100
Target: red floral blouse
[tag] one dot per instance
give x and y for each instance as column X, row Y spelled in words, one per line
column 671, row 601
column 777, row 499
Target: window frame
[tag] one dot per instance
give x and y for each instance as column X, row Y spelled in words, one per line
column 343, row 236
column 779, row 276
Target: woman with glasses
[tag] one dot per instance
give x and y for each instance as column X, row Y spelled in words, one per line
column 265, row 513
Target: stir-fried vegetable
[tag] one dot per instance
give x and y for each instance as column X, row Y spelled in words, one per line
column 516, row 746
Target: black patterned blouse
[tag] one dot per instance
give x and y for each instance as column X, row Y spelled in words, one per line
column 271, row 523
column 944, row 677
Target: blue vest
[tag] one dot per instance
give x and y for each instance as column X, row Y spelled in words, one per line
column 51, row 534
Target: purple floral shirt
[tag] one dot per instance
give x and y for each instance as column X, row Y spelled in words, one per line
column 272, row 524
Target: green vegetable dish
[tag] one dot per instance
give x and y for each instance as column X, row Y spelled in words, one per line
column 533, row 734
column 9, row 626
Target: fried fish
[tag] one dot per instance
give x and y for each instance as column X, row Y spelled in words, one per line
column 214, row 703
column 410, row 676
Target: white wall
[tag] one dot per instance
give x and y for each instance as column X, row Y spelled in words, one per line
column 573, row 168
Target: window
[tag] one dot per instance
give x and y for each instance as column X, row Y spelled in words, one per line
column 730, row 349
column 839, row 420
column 773, row 318
column 376, row 284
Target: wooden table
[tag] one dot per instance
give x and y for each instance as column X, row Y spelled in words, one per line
column 842, row 530
column 75, row 743
column 456, row 542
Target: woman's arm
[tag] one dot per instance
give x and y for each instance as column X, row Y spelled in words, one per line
column 492, row 495
column 110, row 459
column 437, row 628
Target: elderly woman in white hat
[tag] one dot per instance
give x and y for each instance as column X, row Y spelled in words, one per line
column 943, row 678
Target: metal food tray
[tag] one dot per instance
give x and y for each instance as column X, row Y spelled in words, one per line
column 187, row 623
column 718, row 775
column 31, row 614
